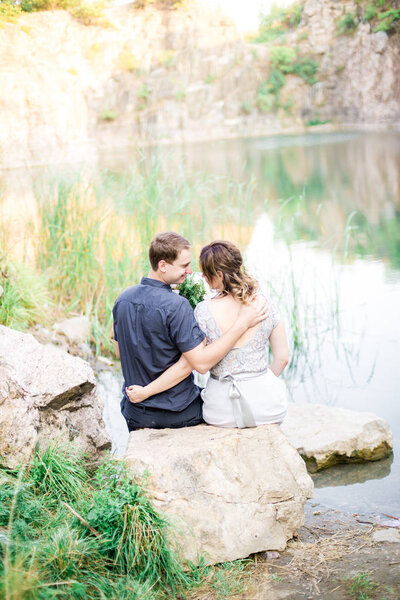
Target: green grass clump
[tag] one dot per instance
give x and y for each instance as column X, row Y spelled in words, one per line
column 370, row 12
column 361, row 587
column 282, row 58
column 347, row 25
column 25, row 295
column 278, row 22
column 388, row 20
column 67, row 533
column 9, row 11
column 87, row 13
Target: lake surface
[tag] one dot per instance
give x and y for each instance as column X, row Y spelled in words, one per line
column 323, row 236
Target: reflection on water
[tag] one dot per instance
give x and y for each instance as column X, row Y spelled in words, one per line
column 342, row 189
column 344, row 319
column 353, row 473
column 320, row 217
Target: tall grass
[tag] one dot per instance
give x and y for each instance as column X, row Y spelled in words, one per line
column 93, row 233
column 68, row 530
column 65, row 533
column 25, row 296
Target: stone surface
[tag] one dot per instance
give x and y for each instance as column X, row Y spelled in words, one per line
column 230, row 492
column 386, row 535
column 45, row 393
column 75, row 329
column 326, row 435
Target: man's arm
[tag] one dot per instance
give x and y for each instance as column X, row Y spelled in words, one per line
column 172, row 376
column 203, row 357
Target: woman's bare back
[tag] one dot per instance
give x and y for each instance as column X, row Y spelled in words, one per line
column 225, row 310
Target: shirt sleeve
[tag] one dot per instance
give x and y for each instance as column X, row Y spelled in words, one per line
column 184, row 329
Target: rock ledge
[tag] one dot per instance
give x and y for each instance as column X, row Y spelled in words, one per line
column 229, row 492
column 325, row 435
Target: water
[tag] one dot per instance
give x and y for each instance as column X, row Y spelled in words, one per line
column 325, row 215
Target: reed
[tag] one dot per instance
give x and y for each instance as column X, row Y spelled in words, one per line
column 93, row 232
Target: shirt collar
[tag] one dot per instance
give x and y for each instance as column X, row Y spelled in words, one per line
column 155, row 283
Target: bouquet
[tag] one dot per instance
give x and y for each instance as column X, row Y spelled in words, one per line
column 193, row 288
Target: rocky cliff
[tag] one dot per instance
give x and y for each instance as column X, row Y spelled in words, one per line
column 178, row 75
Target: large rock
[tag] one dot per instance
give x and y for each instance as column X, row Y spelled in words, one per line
column 327, row 435
column 75, row 329
column 230, row 492
column 45, row 393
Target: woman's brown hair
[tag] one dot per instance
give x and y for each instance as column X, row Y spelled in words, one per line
column 224, row 256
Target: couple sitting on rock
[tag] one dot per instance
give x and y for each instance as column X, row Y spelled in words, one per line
column 160, row 340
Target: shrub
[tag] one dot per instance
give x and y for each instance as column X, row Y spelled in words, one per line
column 282, row 58
column 293, row 14
column 277, row 22
column 387, row 20
column 210, row 79
column 126, row 61
column 180, row 94
column 167, row 58
column 143, row 92
column 347, row 25
column 9, row 11
column 108, row 115
column 246, row 107
column 276, row 82
column 306, row 68
column 370, row 12
column 160, row 3
column 269, row 92
column 34, row 5
column 90, row 14
column 287, row 106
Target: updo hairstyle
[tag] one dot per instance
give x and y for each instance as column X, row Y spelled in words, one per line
column 224, row 256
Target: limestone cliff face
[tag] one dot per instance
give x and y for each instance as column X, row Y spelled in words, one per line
column 170, row 76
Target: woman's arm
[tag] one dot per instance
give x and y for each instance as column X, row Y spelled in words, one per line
column 279, row 348
column 172, row 376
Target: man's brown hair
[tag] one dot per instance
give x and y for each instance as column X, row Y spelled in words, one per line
column 166, row 246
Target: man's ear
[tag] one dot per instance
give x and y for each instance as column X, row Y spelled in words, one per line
column 161, row 266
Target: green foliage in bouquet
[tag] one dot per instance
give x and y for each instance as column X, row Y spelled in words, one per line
column 193, row 290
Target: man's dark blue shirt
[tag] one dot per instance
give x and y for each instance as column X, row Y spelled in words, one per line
column 153, row 327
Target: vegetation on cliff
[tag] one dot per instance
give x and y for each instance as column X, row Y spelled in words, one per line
column 89, row 13
column 379, row 13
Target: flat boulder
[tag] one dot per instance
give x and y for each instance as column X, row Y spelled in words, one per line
column 326, row 435
column 229, row 492
column 45, row 393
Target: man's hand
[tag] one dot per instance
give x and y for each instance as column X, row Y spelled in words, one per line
column 136, row 393
column 252, row 314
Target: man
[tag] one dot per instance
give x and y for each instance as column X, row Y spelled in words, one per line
column 153, row 327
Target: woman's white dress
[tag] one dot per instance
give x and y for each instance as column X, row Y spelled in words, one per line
column 242, row 391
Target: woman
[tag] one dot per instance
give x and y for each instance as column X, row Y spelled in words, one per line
column 243, row 391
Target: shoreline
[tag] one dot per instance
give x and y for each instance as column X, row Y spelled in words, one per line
column 96, row 151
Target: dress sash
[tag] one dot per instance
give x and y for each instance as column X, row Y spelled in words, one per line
column 241, row 409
